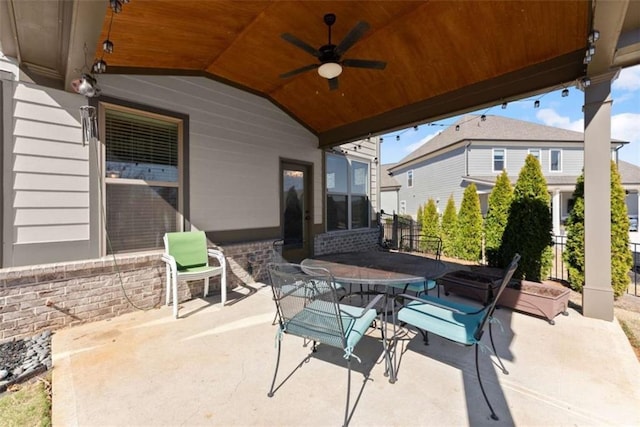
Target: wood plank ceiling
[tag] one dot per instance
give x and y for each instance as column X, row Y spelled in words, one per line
column 442, row 56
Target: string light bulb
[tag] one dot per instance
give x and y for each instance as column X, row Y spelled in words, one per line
column 504, row 105
column 536, row 104
column 457, row 128
column 397, row 137
column 565, row 92
column 483, row 118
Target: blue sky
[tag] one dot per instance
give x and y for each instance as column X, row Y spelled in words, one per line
column 554, row 110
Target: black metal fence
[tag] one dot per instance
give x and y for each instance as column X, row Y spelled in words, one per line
column 397, row 230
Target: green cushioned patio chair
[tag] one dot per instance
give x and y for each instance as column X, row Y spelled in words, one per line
column 457, row 322
column 308, row 307
column 187, row 258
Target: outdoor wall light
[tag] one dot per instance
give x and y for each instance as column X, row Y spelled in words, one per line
column 330, row 70
column 86, row 85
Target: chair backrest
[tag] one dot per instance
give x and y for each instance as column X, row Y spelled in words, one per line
column 490, row 308
column 189, row 248
column 307, row 303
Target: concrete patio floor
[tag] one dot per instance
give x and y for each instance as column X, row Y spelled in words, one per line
column 214, row 366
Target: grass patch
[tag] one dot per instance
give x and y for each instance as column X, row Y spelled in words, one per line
column 634, row 340
column 29, row 405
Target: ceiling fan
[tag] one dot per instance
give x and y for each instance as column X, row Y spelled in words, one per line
column 330, row 65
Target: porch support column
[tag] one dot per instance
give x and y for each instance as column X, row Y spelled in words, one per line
column 597, row 294
column 555, row 210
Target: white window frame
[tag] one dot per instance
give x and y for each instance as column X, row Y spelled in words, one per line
column 349, row 193
column 493, row 159
column 410, row 178
column 104, row 106
column 538, row 156
column 559, row 151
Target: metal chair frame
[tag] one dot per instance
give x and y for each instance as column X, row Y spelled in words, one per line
column 453, row 321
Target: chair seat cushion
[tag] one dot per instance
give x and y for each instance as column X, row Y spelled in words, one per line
column 447, row 323
column 318, row 322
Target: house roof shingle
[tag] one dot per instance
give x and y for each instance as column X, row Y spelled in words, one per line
column 387, row 181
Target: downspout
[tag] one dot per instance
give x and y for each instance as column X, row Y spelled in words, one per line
column 617, row 154
column 466, row 158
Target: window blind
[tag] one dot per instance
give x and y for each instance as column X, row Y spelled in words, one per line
column 145, row 149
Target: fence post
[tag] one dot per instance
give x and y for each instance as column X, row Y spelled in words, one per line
column 394, row 232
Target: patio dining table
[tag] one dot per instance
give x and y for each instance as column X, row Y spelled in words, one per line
column 389, row 270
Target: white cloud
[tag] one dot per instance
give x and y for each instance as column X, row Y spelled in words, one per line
column 628, row 80
column 413, row 147
column 626, row 126
column 550, row 117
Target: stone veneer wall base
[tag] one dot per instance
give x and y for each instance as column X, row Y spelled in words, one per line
column 53, row 296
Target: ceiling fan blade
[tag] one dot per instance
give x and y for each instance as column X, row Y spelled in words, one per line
column 299, row 43
column 333, row 83
column 354, row 35
column 299, row 71
column 364, row 63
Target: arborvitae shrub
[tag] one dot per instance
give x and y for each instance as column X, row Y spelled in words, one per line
column 497, row 216
column 529, row 227
column 430, row 219
column 449, row 228
column 469, row 238
column 574, row 248
column 621, row 257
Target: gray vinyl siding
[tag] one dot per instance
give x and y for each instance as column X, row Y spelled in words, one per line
column 236, row 142
column 435, row 178
column 46, row 177
column 481, row 159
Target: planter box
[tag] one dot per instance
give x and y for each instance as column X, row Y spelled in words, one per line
column 469, row 284
column 534, row 298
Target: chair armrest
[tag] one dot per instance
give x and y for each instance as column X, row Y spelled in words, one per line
column 214, row 253
column 435, row 304
column 369, row 306
column 171, row 261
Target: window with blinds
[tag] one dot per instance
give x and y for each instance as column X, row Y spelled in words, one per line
column 142, row 179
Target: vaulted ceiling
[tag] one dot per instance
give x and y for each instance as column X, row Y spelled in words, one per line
column 443, row 57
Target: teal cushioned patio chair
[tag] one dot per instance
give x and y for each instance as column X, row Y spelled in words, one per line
column 457, row 322
column 425, row 244
column 187, row 258
column 307, row 306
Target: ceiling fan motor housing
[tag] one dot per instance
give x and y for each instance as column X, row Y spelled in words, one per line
column 328, row 53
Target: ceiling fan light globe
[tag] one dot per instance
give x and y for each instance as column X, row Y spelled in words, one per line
column 330, row 70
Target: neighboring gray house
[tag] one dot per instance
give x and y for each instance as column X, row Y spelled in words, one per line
column 389, row 189
column 477, row 148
